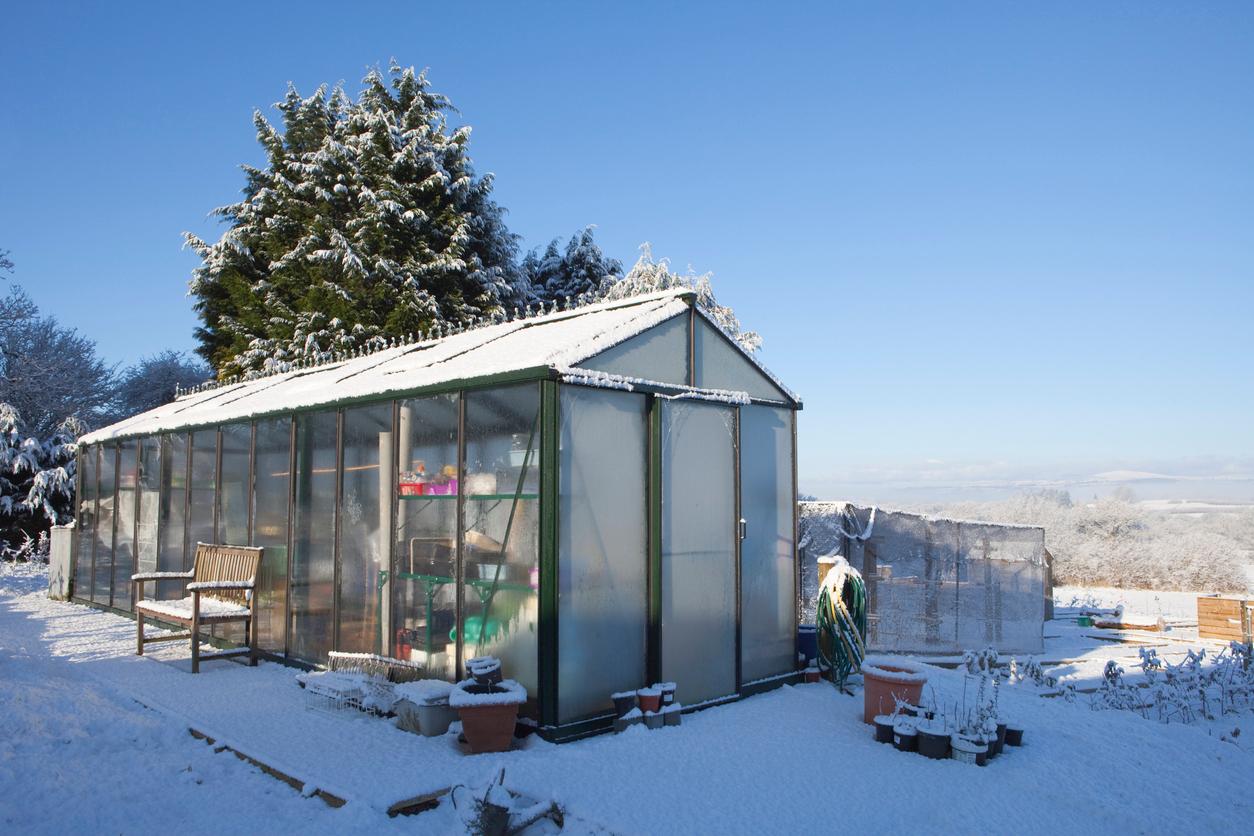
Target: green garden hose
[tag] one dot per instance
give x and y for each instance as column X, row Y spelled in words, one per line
column 841, row 624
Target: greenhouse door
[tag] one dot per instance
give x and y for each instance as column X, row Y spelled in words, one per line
column 767, row 564
column 698, row 636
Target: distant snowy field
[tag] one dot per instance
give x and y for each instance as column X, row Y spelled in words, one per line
column 94, row 739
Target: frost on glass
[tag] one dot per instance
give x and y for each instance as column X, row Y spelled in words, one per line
column 171, row 527
column 365, row 525
column 149, row 499
column 271, row 484
column 500, row 480
column 124, row 524
column 203, row 484
column 102, row 574
column 85, row 525
column 719, row 365
column 698, row 550
column 660, row 354
column 767, row 602
column 313, row 538
column 233, row 485
column 423, row 591
column 602, row 549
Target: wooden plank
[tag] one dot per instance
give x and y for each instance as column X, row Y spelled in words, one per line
column 329, row 799
column 418, row 804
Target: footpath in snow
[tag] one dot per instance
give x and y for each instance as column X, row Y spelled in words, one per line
column 95, row 738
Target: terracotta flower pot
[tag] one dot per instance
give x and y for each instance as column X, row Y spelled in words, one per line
column 888, row 679
column 650, row 699
column 488, row 713
column 489, row 728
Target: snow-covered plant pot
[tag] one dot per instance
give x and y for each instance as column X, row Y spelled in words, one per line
column 673, row 714
column 668, row 693
column 426, row 709
column 905, row 738
column 485, row 669
column 488, row 713
column 1000, row 741
column 1014, row 736
column 653, row 719
column 933, row 739
column 884, row 728
column 650, row 699
column 812, row 674
column 887, row 680
column 966, row 750
column 624, row 701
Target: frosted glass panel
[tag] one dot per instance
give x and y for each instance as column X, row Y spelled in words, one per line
column 767, row 631
column 203, row 489
column 233, row 485
column 313, row 556
column 698, row 550
column 721, row 366
column 149, row 507
column 103, row 565
column 172, row 528
column 124, row 523
column 85, row 525
column 272, row 481
column 660, row 354
column 602, row 549
column 366, row 525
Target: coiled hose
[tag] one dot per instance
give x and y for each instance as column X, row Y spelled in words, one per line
column 841, row 623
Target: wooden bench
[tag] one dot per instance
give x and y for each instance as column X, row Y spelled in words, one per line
column 221, row 584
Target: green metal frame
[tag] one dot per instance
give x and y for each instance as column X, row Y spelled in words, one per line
column 548, row 650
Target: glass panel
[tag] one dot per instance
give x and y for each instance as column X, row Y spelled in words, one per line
column 767, row 602
column 149, row 507
column 102, row 574
column 426, row 535
column 85, row 527
column 698, row 550
column 721, row 366
column 603, row 545
column 203, row 488
column 270, row 501
column 365, row 526
column 313, row 556
column 233, row 485
column 172, row 526
column 660, row 354
column 501, row 529
column 124, row 523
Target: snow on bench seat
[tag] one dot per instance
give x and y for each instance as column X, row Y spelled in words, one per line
column 211, row 609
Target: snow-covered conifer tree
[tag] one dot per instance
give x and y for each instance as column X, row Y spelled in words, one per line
column 367, row 221
column 580, row 269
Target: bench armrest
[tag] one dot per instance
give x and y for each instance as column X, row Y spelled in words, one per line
column 204, row 586
column 161, row 576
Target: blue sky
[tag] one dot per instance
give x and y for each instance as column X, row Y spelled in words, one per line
column 986, row 242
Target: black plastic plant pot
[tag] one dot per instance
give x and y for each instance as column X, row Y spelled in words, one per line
column 623, row 702
column 981, row 758
column 883, row 729
column 1001, row 737
column 935, row 746
column 905, row 740
column 1014, row 737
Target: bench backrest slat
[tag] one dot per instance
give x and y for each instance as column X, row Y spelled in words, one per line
column 227, row 563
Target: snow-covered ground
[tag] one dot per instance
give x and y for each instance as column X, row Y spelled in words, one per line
column 95, row 738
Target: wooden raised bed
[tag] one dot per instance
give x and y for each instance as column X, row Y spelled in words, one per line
column 1224, row 617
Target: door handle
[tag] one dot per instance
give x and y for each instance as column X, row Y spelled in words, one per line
column 744, row 528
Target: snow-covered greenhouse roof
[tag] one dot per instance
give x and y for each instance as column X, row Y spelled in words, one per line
column 572, row 345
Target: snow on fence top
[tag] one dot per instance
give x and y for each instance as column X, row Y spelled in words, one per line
column 557, row 341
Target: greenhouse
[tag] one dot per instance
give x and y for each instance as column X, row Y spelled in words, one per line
column 601, row 497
